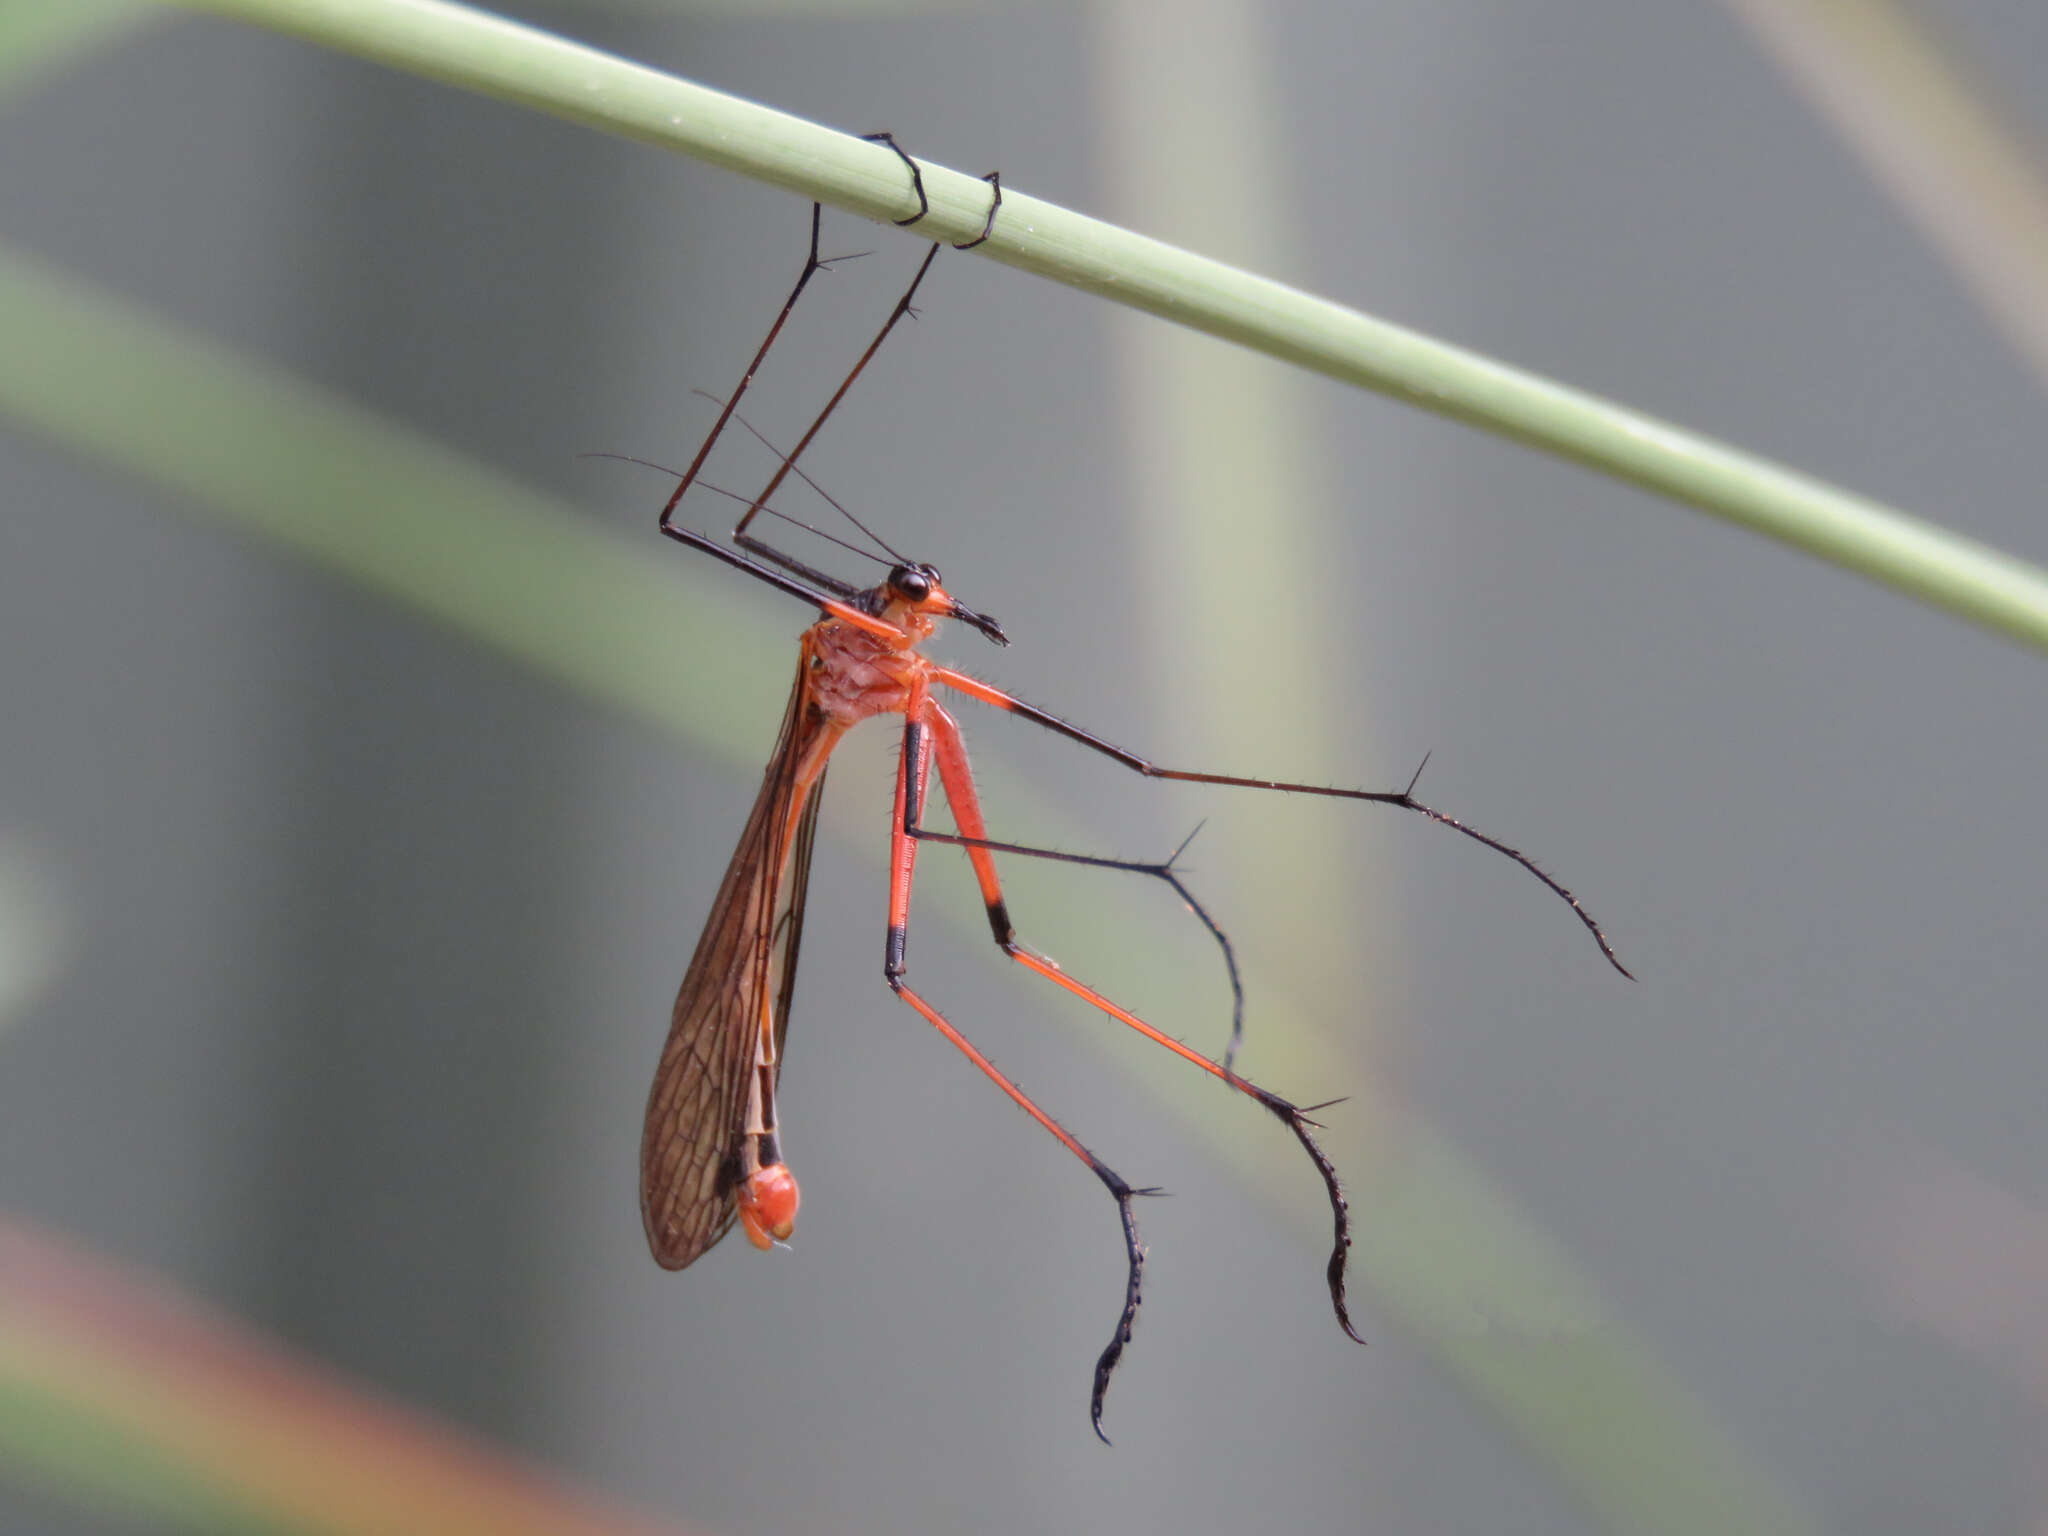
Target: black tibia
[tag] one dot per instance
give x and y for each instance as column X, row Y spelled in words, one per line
column 788, row 464
column 915, row 773
column 1295, row 1119
column 1168, row 871
column 1403, row 798
column 810, row 583
column 811, row 266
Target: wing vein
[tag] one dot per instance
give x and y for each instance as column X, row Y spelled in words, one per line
column 697, row 1107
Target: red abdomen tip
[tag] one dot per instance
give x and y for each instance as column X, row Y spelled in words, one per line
column 767, row 1203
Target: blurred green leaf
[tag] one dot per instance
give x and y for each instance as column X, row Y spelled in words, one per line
column 133, row 1402
column 40, row 37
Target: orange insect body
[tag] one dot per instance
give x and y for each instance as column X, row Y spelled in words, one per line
column 857, row 670
column 712, row 1152
column 853, row 668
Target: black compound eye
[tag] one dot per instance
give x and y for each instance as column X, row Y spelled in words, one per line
column 914, row 581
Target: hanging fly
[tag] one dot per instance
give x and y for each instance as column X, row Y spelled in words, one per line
column 711, row 1153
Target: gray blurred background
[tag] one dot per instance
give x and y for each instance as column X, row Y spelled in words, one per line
column 372, row 933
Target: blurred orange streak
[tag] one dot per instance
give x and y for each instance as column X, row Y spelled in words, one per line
column 277, row 1435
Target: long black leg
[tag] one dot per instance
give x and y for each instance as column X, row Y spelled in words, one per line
column 754, row 568
column 936, row 733
column 993, row 178
column 782, row 471
column 924, row 205
column 912, row 772
column 988, row 225
column 813, row 263
column 975, row 688
column 1166, row 870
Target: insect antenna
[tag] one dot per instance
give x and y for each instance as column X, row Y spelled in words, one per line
column 889, row 552
column 719, row 490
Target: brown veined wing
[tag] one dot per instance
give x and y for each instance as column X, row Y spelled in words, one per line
column 697, row 1108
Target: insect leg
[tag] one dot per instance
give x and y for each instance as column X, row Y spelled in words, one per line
column 782, row 471
column 958, row 779
column 910, row 785
column 1167, row 870
column 924, row 206
column 812, row 264
column 988, row 225
column 818, row 580
column 975, row 688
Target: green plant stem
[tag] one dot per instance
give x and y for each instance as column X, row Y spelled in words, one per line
column 479, row 52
